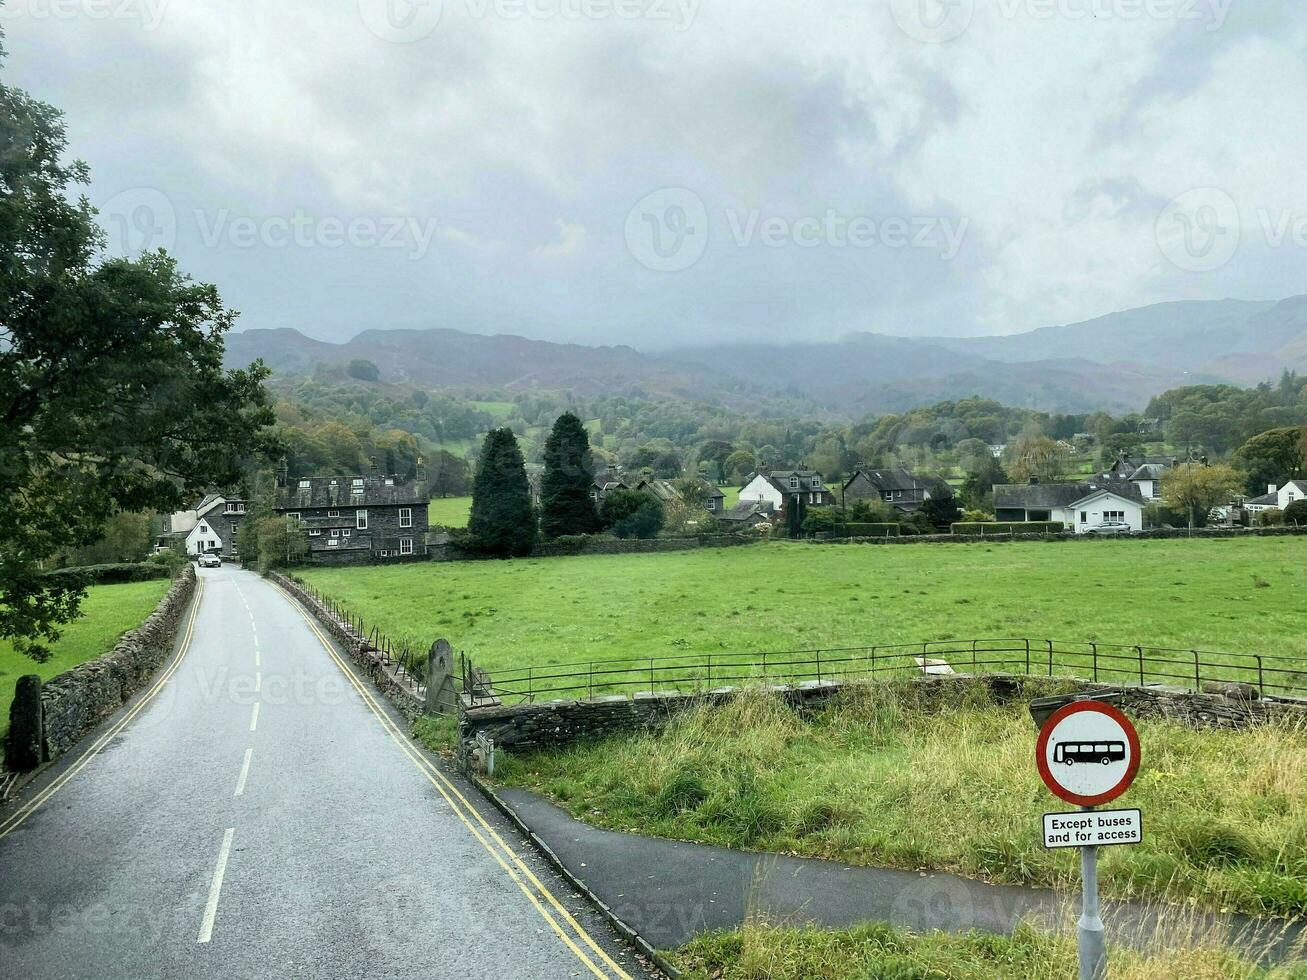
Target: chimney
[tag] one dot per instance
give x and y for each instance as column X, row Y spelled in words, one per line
column 373, row 461
column 1271, row 488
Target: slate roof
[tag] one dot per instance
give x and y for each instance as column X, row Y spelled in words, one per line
column 666, row 489
column 1265, row 500
column 780, row 479
column 898, row 479
column 1149, row 471
column 336, row 491
column 748, row 509
column 1049, row 496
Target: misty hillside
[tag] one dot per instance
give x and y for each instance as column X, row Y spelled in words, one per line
column 1115, row 362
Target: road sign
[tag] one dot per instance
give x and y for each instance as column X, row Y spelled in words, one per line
column 1093, row 828
column 1087, row 753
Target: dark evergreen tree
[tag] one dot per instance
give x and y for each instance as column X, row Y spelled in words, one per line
column 503, row 521
column 633, row 514
column 565, row 503
column 942, row 508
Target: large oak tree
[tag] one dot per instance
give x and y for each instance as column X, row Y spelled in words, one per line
column 113, row 396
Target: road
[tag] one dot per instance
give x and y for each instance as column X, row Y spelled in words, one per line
column 257, row 812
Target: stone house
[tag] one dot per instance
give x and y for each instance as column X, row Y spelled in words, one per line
column 357, row 519
column 894, row 486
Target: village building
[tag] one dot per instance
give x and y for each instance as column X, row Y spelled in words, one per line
column 894, row 486
column 1081, row 507
column 357, row 519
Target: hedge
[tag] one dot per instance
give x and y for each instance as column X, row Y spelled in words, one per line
column 114, row 573
column 1009, row 527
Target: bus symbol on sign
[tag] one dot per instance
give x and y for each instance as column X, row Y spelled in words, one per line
column 1087, row 753
column 1100, row 753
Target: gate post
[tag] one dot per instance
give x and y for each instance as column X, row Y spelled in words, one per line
column 440, row 679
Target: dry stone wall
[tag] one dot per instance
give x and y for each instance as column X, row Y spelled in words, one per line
column 76, row 701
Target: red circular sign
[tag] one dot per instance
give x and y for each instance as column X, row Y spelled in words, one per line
column 1087, row 753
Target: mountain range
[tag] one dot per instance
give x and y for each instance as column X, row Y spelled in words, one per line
column 1115, row 362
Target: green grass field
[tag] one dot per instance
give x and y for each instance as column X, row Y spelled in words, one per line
column 890, row 776
column 449, row 511
column 107, row 612
column 1229, row 595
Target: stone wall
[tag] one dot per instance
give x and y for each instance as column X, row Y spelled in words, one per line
column 76, row 701
column 1152, row 534
column 600, row 545
column 399, row 689
column 524, row 727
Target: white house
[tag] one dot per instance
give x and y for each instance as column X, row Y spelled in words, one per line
column 1148, row 478
column 202, row 538
column 778, row 486
column 210, row 526
column 1107, row 505
column 1287, row 494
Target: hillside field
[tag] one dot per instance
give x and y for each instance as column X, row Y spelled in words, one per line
column 108, row 611
column 1225, row 595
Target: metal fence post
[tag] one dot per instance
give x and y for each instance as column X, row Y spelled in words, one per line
column 1140, row 651
column 1050, row 657
column 1094, row 648
column 818, row 666
column 1261, row 679
column 1198, row 673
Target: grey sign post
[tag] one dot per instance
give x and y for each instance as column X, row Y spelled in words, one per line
column 1089, row 930
column 1088, row 754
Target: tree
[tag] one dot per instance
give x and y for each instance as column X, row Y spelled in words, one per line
column 633, row 514
column 941, row 509
column 363, row 370
column 566, row 506
column 740, row 464
column 450, row 475
column 271, row 542
column 503, row 521
column 1296, row 513
column 978, row 488
column 1274, row 456
column 716, row 452
column 113, row 396
column 126, row 538
column 1039, row 457
column 1194, row 490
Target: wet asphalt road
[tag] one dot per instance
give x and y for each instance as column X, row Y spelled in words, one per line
column 340, row 856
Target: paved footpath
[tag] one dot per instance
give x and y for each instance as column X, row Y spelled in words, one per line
column 256, row 812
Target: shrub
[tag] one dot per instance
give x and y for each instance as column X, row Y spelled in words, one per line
column 632, row 514
column 821, row 519
column 1270, row 517
column 171, row 560
column 1009, row 527
column 1296, row 513
column 684, row 792
column 114, row 573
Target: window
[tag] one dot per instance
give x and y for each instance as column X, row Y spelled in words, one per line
column 1084, row 517
column 304, row 484
column 816, row 481
column 315, row 533
column 390, row 481
column 332, row 543
column 233, row 529
column 1114, row 515
column 794, row 483
column 712, row 503
column 335, row 532
column 406, row 546
column 344, row 533
column 293, row 516
column 406, row 517
column 889, row 495
column 333, row 513
column 361, row 519
column 357, row 486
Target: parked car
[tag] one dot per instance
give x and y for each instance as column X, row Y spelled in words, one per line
column 1111, row 527
column 210, row 560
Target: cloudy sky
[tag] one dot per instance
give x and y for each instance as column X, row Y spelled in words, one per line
column 665, row 172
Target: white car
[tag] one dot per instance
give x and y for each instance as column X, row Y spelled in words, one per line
column 210, row 561
column 1111, row 527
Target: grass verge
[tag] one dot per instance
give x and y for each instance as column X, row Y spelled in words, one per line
column 762, row 952
column 884, row 778
column 108, row 611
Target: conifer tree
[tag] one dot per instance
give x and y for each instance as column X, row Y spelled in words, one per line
column 565, row 503
column 503, row 521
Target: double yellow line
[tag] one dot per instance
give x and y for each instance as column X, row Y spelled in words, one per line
column 15, row 819
column 544, row 901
